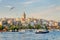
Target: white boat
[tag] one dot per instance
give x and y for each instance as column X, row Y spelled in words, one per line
column 42, row 31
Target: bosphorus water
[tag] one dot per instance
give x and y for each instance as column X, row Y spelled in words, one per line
column 52, row 35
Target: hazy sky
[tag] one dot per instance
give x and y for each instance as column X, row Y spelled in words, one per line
column 46, row 9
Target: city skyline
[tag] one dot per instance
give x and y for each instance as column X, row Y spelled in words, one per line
column 45, row 9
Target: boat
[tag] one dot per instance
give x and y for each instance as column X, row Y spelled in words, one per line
column 41, row 32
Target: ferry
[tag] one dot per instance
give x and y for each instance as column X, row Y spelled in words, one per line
column 41, row 31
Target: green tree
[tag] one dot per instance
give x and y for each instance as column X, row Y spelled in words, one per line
column 12, row 27
column 16, row 27
column 45, row 27
column 30, row 27
column 38, row 27
column 1, row 27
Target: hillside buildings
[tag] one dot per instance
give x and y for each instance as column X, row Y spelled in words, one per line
column 23, row 21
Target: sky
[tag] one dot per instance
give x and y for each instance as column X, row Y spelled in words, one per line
column 43, row 9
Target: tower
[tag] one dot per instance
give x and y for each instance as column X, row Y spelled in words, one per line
column 24, row 16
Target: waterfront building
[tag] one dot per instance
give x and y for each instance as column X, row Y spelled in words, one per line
column 43, row 22
column 9, row 21
column 58, row 23
column 53, row 24
column 32, row 23
column 0, row 22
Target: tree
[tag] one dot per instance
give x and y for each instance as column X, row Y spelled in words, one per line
column 45, row 27
column 37, row 26
column 1, row 27
column 12, row 27
column 30, row 27
column 16, row 27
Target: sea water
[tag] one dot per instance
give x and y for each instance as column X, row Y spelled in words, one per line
column 52, row 35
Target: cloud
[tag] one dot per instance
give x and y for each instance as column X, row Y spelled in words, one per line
column 0, row 0
column 50, row 13
column 51, row 10
column 52, row 6
column 28, row 2
column 58, row 8
column 8, row 6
